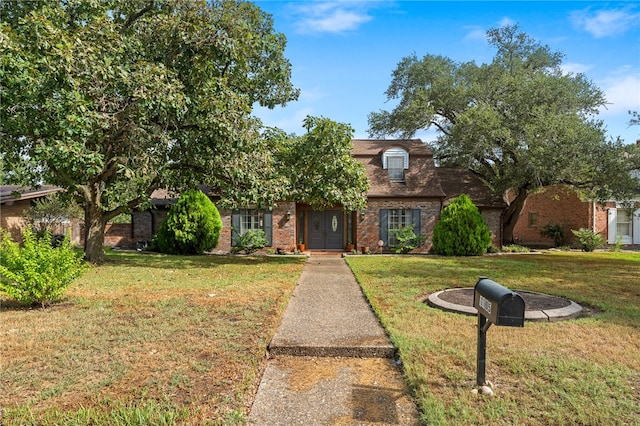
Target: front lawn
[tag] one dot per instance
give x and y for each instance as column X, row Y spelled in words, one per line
column 145, row 339
column 584, row 371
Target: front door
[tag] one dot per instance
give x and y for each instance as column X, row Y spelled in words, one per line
column 325, row 230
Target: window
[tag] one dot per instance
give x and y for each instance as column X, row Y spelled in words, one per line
column 396, row 161
column 250, row 219
column 396, row 169
column 623, row 225
column 533, row 219
column 392, row 219
column 243, row 220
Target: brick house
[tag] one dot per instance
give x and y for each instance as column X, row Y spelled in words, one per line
column 15, row 201
column 562, row 205
column 406, row 188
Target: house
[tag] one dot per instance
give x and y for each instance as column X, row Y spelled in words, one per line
column 15, row 201
column 562, row 205
column 406, row 188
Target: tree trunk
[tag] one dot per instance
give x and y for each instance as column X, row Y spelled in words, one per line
column 512, row 215
column 94, row 226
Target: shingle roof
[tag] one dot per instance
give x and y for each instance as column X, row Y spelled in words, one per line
column 421, row 179
column 10, row 193
column 462, row 181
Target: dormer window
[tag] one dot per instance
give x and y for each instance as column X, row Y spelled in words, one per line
column 396, row 161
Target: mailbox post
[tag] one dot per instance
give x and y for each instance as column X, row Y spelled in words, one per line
column 496, row 305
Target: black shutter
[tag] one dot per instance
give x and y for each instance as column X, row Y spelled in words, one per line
column 384, row 226
column 268, row 227
column 235, row 226
column 415, row 218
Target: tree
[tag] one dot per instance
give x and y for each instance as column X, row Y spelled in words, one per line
column 320, row 168
column 113, row 99
column 192, row 227
column 461, row 230
column 49, row 213
column 520, row 123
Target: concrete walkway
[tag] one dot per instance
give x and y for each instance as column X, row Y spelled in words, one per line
column 330, row 362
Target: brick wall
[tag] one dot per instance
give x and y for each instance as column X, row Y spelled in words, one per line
column 557, row 205
column 11, row 218
column 368, row 228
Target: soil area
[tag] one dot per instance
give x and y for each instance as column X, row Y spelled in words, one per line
column 533, row 301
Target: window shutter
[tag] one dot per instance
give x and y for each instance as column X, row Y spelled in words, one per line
column 612, row 225
column 415, row 219
column 235, row 226
column 384, row 226
column 268, row 226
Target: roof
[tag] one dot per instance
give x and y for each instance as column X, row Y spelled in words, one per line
column 463, row 181
column 421, row 179
column 12, row 193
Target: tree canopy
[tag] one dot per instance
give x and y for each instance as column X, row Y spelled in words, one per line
column 520, row 123
column 112, row 99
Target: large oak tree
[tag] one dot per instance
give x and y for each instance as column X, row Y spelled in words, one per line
column 112, row 99
column 520, row 123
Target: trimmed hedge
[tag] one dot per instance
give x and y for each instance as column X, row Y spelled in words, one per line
column 461, row 230
column 192, row 226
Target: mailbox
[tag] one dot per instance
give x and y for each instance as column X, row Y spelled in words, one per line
column 498, row 304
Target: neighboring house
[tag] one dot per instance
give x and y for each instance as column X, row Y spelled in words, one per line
column 562, row 205
column 15, row 201
column 406, row 188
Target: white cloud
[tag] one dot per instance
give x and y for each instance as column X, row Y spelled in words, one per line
column 622, row 90
column 575, row 68
column 330, row 17
column 606, row 23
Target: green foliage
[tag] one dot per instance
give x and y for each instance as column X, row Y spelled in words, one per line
column 251, row 241
column 514, row 122
column 515, row 248
column 50, row 212
column 320, row 168
column 617, row 246
column 555, row 231
column 407, row 240
column 461, row 230
column 114, row 99
column 37, row 272
column 588, row 240
column 192, row 226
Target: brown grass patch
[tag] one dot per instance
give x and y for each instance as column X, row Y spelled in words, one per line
column 189, row 332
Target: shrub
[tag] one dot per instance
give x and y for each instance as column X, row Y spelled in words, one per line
column 588, row 240
column 514, row 248
column 407, row 240
column 192, row 227
column 461, row 230
column 555, row 232
column 250, row 241
column 37, row 272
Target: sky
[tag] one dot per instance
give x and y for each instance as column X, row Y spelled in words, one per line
column 343, row 53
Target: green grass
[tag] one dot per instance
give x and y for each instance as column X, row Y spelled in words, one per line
column 583, row 372
column 145, row 339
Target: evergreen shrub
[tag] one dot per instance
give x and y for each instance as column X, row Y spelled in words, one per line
column 461, row 230
column 192, row 226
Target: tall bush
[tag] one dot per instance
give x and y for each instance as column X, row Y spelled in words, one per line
column 37, row 272
column 192, row 226
column 461, row 230
column 588, row 240
column 555, row 232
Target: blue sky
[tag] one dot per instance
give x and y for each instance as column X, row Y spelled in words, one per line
column 343, row 52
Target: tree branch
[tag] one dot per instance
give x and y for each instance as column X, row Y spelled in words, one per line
column 133, row 18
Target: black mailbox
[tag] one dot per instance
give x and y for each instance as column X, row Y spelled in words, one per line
column 498, row 304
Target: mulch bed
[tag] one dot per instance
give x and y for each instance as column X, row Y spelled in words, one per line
column 533, row 301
